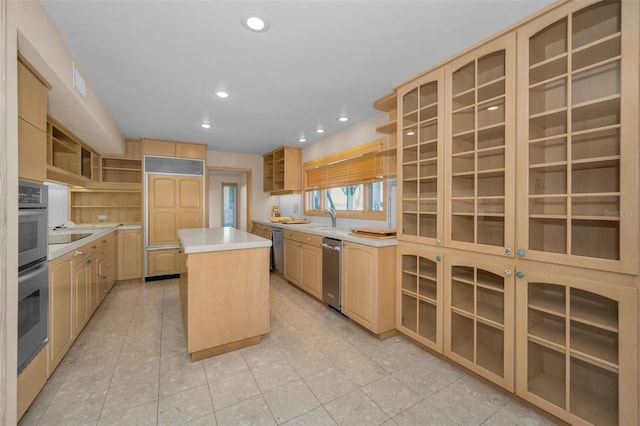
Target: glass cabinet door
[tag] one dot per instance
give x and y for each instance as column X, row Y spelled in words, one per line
column 420, row 151
column 578, row 141
column 420, row 298
column 574, row 339
column 480, row 142
column 479, row 318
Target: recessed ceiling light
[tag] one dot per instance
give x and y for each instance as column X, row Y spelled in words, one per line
column 343, row 118
column 206, row 125
column 411, row 133
column 319, row 130
column 222, row 94
column 492, row 108
column 302, row 140
column 255, row 24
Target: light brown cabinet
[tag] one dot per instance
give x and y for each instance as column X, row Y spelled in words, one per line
column 32, row 125
column 69, row 159
column 537, row 173
column 175, row 202
column 282, row 171
column 118, row 205
column 420, row 294
column 163, row 148
column 129, row 254
column 303, row 261
column 368, row 287
column 31, row 381
column 576, row 345
column 61, row 329
column 479, row 317
column 163, row 262
column 82, row 277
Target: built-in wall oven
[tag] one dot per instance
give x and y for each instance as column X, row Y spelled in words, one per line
column 33, row 272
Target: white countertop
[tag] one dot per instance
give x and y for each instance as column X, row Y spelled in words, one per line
column 96, row 231
column 328, row 231
column 199, row 240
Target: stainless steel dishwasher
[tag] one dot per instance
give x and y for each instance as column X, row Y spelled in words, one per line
column 278, row 255
column 331, row 265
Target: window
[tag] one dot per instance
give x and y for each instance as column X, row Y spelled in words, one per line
column 352, row 182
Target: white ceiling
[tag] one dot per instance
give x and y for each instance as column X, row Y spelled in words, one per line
column 157, row 64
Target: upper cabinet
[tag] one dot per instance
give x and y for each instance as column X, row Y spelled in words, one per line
column 578, row 130
column 282, row 171
column 480, row 146
column 164, row 148
column 32, row 125
column 421, row 154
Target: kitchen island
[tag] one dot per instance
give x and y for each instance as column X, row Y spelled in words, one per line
column 224, row 290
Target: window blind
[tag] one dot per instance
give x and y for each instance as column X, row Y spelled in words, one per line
column 361, row 164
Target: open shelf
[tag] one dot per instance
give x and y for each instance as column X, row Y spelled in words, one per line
column 547, row 374
column 593, row 393
column 409, row 318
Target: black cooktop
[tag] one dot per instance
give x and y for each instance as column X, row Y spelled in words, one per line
column 65, row 238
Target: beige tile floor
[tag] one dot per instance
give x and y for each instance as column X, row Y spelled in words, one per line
column 130, row 367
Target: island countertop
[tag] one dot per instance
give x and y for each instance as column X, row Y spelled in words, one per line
column 200, row 240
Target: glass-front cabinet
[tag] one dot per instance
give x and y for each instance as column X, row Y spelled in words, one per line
column 578, row 135
column 420, row 154
column 479, row 317
column 420, row 297
column 576, row 344
column 480, row 149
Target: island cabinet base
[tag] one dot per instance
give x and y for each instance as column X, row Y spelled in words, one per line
column 225, row 300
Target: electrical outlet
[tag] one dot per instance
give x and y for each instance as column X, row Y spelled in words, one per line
column 102, row 217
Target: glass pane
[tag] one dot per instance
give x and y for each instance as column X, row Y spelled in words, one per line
column 313, row 200
column 229, row 205
column 345, row 198
column 376, row 196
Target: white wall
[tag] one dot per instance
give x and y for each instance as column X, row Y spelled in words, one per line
column 261, row 202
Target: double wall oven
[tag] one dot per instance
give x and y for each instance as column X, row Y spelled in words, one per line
column 33, row 272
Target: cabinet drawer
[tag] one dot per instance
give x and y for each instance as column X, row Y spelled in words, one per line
column 164, row 262
column 82, row 253
column 301, row 237
column 263, row 231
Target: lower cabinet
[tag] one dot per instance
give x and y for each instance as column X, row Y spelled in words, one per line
column 163, row 262
column 576, row 346
column 129, row 254
column 368, row 286
column 61, row 330
column 82, row 277
column 303, row 261
column 31, row 380
column 479, row 317
column 420, row 295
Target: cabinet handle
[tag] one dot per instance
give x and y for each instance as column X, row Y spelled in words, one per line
column 104, row 241
column 508, row 272
column 519, row 274
column 438, row 241
column 520, row 252
column 507, row 250
column 89, row 261
column 438, row 258
column 78, row 253
column 94, row 247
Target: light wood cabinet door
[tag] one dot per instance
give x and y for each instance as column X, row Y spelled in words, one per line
column 578, row 113
column 32, row 152
column 311, row 265
column 282, row 171
column 32, row 98
column 82, row 288
column 480, row 149
column 576, row 346
column 292, row 261
column 368, row 286
column 479, row 317
column 175, row 202
column 31, row 381
column 164, row 262
column 61, row 332
column 420, row 295
column 191, row 150
column 95, row 281
column 129, row 254
column 159, row 148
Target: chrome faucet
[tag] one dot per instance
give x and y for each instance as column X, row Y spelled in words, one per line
column 332, row 213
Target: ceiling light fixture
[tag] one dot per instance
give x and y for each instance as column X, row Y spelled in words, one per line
column 319, row 130
column 302, row 140
column 492, row 108
column 222, row 94
column 411, row 133
column 206, row 125
column 343, row 118
column 255, row 24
